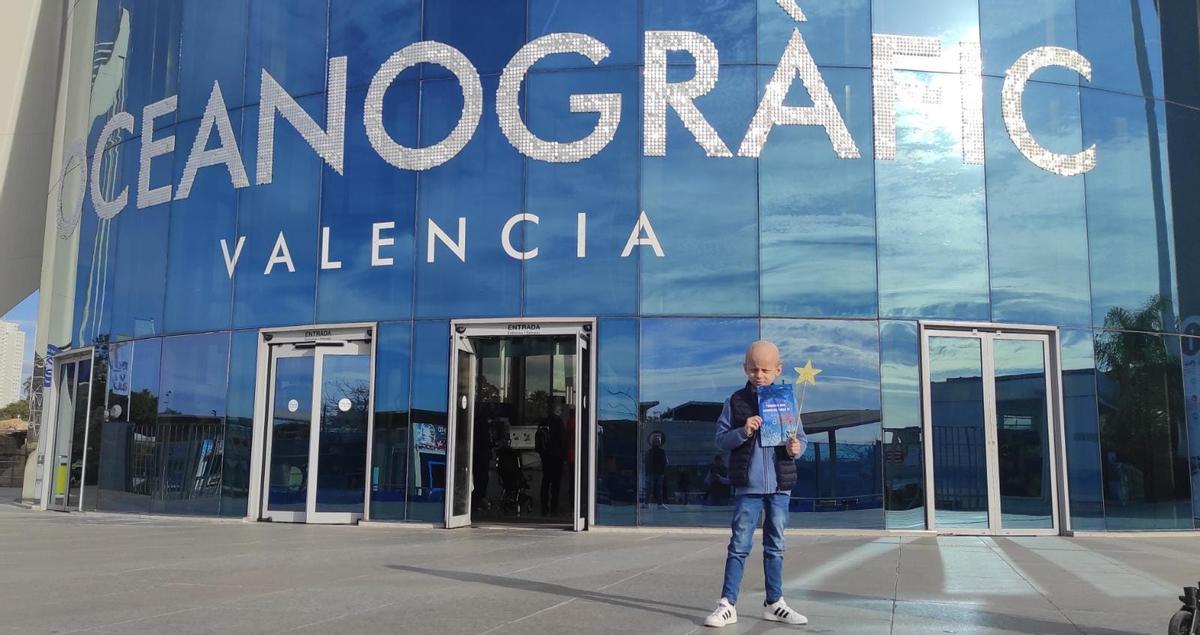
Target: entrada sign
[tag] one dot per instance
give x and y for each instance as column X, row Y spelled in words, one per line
column 660, row 95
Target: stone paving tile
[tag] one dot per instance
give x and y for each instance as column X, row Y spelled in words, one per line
column 126, row 574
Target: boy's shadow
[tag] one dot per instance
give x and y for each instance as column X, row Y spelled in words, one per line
column 548, row 588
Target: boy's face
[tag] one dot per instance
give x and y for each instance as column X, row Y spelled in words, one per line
column 763, row 365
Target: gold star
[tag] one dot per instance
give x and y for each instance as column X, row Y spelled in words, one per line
column 807, row 374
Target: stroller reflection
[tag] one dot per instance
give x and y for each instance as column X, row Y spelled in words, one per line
column 514, row 487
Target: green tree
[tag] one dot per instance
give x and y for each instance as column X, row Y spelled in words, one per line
column 15, row 410
column 1140, row 421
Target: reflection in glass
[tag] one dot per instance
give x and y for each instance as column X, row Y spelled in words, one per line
column 818, row 211
column 64, row 436
column 95, row 405
column 1023, row 435
column 342, row 460
column 463, row 427
column 959, row 448
column 1010, row 28
column 357, row 31
column 211, row 50
column 903, row 447
column 1128, row 210
column 524, row 426
column 128, row 472
column 1082, row 425
column 1142, row 432
column 113, row 465
column 709, row 266
column 430, row 386
column 838, row 32
column 730, row 24
column 288, row 40
column 840, row 473
column 199, row 294
column 489, row 282
column 390, row 447
column 370, row 191
column 288, row 206
column 1123, row 41
column 618, row 28
column 488, row 32
column 191, row 424
column 617, row 416
column 1191, row 395
column 139, row 264
column 291, row 428
column 605, row 187
column 688, row 368
column 932, row 224
column 951, row 21
column 239, row 423
column 1030, row 208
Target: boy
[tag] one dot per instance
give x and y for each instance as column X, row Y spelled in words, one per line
column 762, row 479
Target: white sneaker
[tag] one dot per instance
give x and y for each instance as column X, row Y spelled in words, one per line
column 725, row 615
column 781, row 612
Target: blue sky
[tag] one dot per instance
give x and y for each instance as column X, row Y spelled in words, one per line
column 25, row 315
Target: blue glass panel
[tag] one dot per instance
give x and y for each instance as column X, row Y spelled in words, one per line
column 1129, row 214
column 344, row 409
column 393, row 358
column 903, row 437
column 1184, row 125
column 370, row 191
column 604, row 187
column 617, row 28
column 191, row 423
column 98, row 245
column 838, row 32
column 932, row 222
column 1142, row 432
column 818, row 211
column 199, row 292
column 215, row 33
column 369, row 31
column 958, row 431
column 288, row 39
column 430, row 388
column 239, row 423
column 951, row 21
column 127, row 451
column 841, row 471
column 1029, row 208
column 113, row 25
column 1122, row 39
column 140, row 273
column 730, row 24
column 703, row 211
column 1191, row 396
column 489, row 282
column 152, row 67
column 1082, row 431
column 1010, row 28
column 617, row 432
column 683, row 389
column 289, row 205
column 488, row 32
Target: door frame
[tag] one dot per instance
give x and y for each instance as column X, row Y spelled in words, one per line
column 533, row 327
column 462, row 348
column 49, row 434
column 264, row 375
column 1056, row 438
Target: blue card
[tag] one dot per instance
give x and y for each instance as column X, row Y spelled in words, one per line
column 777, row 407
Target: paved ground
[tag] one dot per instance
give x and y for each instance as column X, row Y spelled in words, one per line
column 120, row 574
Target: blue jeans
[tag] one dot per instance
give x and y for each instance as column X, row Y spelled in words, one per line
column 746, row 512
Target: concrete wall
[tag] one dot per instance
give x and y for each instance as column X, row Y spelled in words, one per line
column 31, row 34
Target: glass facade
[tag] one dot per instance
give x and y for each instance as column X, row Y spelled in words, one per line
column 894, row 187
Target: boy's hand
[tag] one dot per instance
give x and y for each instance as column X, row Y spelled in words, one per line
column 793, row 447
column 752, row 425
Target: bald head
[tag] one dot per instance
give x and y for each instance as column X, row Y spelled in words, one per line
column 762, row 363
column 763, row 350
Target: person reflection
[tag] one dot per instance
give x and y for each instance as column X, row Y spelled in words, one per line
column 551, row 447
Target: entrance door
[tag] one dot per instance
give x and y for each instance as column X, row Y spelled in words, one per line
column 462, row 425
column 73, row 394
column 990, row 418
column 318, row 419
column 521, row 424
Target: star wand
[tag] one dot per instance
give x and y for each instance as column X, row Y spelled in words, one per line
column 805, row 375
